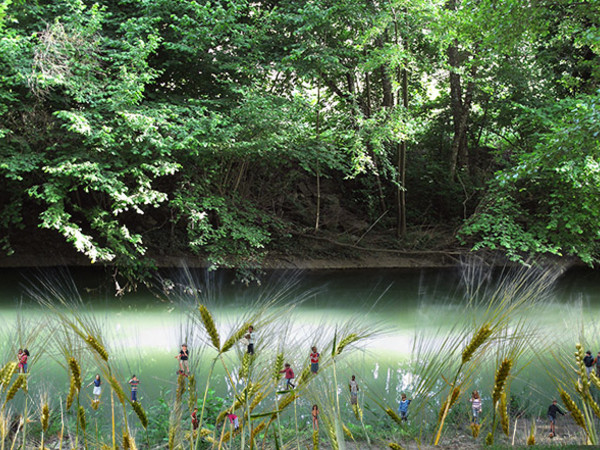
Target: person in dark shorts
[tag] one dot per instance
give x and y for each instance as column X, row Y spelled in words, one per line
column 353, row 386
column 134, row 382
column 588, row 361
column 289, row 376
column 183, row 360
column 250, row 337
column 314, row 361
column 552, row 410
column 24, row 358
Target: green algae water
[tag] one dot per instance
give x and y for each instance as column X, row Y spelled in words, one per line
column 144, row 329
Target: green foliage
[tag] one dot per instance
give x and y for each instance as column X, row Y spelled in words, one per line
column 547, row 202
column 159, row 127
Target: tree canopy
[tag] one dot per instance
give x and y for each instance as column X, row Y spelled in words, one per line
column 134, row 128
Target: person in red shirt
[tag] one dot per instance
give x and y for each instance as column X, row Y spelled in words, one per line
column 289, row 376
column 23, row 360
column 234, row 421
column 314, row 361
column 195, row 419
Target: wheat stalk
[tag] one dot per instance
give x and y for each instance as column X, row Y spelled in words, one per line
column 12, row 391
column 71, row 393
column 315, row 439
column 180, row 387
column 75, row 372
column 531, row 437
column 139, row 411
column 303, row 377
column 595, row 380
column 8, row 371
column 446, row 407
column 126, row 441
column 345, row 342
column 45, row 416
column 504, row 419
column 395, row 446
column 259, row 397
column 114, row 383
column 500, row 380
column 277, row 367
column 97, row 346
column 245, row 369
column 347, row 431
column 257, row 430
column 390, row 412
column 81, row 418
column 477, row 341
column 357, row 411
column 237, row 336
column 573, row 408
column 172, row 433
column 489, row 439
column 210, row 327
column 475, row 428
column 332, row 435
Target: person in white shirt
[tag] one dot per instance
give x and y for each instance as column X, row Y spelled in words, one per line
column 475, row 406
column 353, row 385
column 250, row 337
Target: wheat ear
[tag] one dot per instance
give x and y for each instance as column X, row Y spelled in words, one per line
column 478, row 340
column 209, row 326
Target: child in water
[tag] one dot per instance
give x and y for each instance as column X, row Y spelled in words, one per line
column 24, row 358
column 314, row 361
column 97, row 388
column 183, row 360
column 353, row 386
column 250, row 338
column 315, row 417
column 134, row 382
column 475, row 406
column 289, row 376
column 403, row 407
column 195, row 419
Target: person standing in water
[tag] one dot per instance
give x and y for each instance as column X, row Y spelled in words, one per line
column 134, row 382
column 475, row 406
column 353, row 386
column 315, row 417
column 183, row 357
column 403, row 407
column 97, row 382
column 289, row 376
column 552, row 410
column 194, row 416
column 314, row 361
column 250, row 337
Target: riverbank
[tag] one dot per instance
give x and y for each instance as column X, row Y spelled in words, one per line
column 298, row 251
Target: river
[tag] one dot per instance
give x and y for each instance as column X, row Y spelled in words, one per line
column 144, row 329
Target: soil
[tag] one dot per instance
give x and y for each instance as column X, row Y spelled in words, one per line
column 298, row 251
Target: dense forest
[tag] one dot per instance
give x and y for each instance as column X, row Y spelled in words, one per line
column 231, row 128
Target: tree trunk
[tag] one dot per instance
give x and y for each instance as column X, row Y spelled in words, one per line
column 401, row 147
column 460, row 105
column 318, row 132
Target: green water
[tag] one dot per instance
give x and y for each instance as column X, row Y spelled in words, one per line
column 143, row 331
